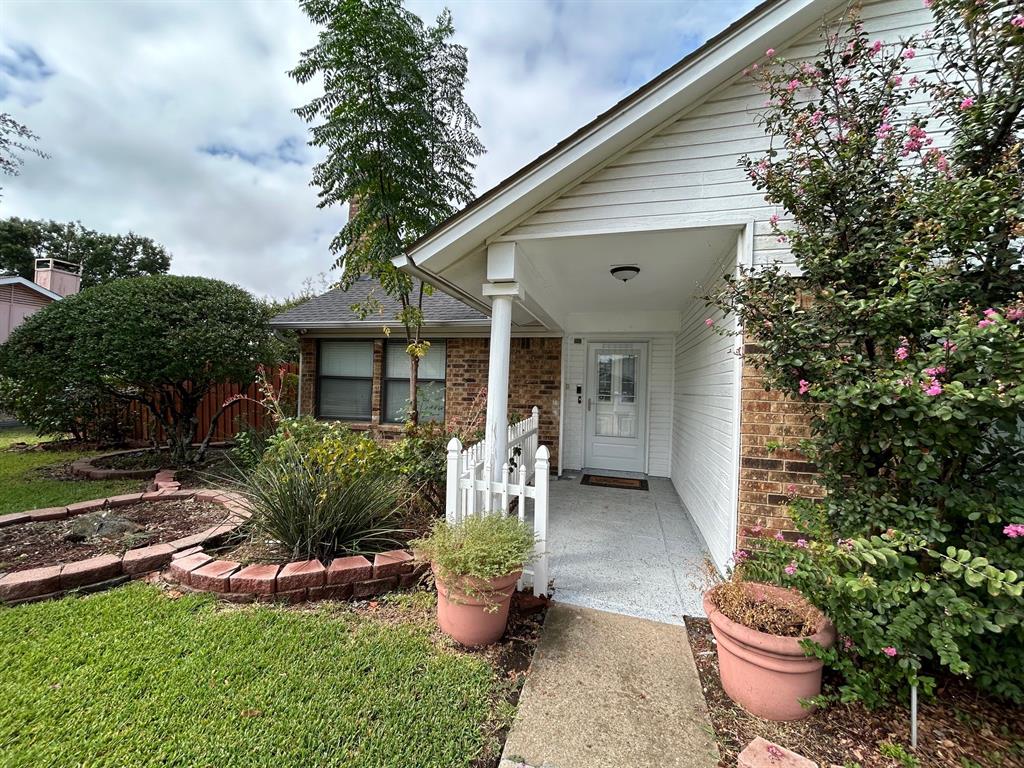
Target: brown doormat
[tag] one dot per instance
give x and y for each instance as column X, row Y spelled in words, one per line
column 607, row 481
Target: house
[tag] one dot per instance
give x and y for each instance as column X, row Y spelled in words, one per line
column 351, row 371
column 601, row 246
column 20, row 297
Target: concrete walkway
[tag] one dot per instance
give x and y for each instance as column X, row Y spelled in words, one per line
column 610, row 691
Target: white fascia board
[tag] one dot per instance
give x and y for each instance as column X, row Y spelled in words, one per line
column 770, row 27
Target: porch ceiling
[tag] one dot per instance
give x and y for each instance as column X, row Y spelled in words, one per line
column 572, row 274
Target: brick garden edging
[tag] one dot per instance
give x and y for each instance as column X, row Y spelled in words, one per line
column 344, row 578
column 85, row 468
column 104, row 571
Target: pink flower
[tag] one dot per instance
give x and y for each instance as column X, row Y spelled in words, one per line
column 876, row 46
column 927, row 3
column 902, row 353
column 909, row 53
column 847, row 644
column 1014, row 530
column 843, row 81
column 915, row 80
column 770, row 53
column 896, row 80
column 985, row 323
column 883, row 131
column 816, row 116
column 805, row 386
column 949, row 346
column 756, row 530
column 933, row 388
column 967, row 103
column 791, row 568
column 740, row 555
column 936, row 371
column 1014, row 314
column 989, row 312
column 709, row 322
column 779, row 536
column 889, row 651
column 1018, row 21
column 792, row 85
column 790, row 489
column 801, row 543
column 774, row 219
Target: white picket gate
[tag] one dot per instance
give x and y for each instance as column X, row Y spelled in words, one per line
column 472, row 491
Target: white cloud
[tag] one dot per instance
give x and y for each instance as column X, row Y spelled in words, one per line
column 173, row 119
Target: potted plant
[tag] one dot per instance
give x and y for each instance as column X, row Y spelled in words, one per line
column 761, row 631
column 476, row 565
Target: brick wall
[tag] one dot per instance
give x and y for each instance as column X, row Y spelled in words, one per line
column 535, row 367
column 769, row 475
column 535, row 379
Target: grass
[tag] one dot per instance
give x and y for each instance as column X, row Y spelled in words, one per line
column 133, row 677
column 23, row 487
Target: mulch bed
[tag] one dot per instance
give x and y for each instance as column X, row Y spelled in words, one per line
column 958, row 728
column 31, row 545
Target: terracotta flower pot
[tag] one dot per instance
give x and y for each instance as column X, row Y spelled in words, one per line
column 767, row 674
column 474, row 612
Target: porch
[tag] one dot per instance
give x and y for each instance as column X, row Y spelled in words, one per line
column 626, row 551
column 646, row 387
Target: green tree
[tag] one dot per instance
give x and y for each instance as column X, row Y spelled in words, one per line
column 399, row 138
column 903, row 332
column 103, row 256
column 15, row 139
column 161, row 341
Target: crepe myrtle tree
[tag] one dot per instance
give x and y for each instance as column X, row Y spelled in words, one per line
column 161, row 341
column 399, row 138
column 902, row 330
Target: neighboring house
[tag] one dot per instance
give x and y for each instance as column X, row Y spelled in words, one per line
column 653, row 184
column 19, row 297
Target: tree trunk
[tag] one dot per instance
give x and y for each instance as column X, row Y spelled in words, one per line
column 414, row 372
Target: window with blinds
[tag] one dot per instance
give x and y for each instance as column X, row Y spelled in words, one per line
column 345, row 380
column 429, row 382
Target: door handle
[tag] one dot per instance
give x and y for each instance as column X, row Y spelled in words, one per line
column 588, row 404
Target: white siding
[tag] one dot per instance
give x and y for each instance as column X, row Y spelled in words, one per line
column 659, row 401
column 690, row 169
column 704, row 470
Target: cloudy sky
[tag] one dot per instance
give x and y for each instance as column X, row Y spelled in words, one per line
column 173, row 119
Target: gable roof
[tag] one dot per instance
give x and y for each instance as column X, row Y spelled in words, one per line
column 16, row 280
column 333, row 310
column 638, row 115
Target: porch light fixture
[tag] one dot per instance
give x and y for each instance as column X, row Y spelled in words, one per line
column 625, row 272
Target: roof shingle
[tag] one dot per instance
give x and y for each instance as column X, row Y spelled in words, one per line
column 334, row 309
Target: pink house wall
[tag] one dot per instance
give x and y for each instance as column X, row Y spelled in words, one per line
column 17, row 303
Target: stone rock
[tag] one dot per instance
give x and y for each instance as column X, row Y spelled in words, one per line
column 100, row 524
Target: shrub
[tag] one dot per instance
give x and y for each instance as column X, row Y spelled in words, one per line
column 317, row 512
column 485, row 547
column 161, row 341
column 83, row 411
column 902, row 330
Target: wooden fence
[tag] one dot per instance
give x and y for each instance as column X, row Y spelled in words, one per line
column 244, row 412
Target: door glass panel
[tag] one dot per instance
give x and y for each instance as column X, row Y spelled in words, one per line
column 615, row 412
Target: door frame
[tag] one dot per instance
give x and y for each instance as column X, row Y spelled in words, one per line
column 589, row 387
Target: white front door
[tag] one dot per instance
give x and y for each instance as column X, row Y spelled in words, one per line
column 616, row 407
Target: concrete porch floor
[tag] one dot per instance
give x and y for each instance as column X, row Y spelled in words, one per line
column 626, row 551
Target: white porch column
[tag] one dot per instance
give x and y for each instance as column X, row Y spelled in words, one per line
column 501, row 295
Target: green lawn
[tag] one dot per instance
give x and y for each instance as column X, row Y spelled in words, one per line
column 23, row 487
column 132, row 677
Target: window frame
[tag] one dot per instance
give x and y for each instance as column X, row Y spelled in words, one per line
column 320, row 376
column 385, row 379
